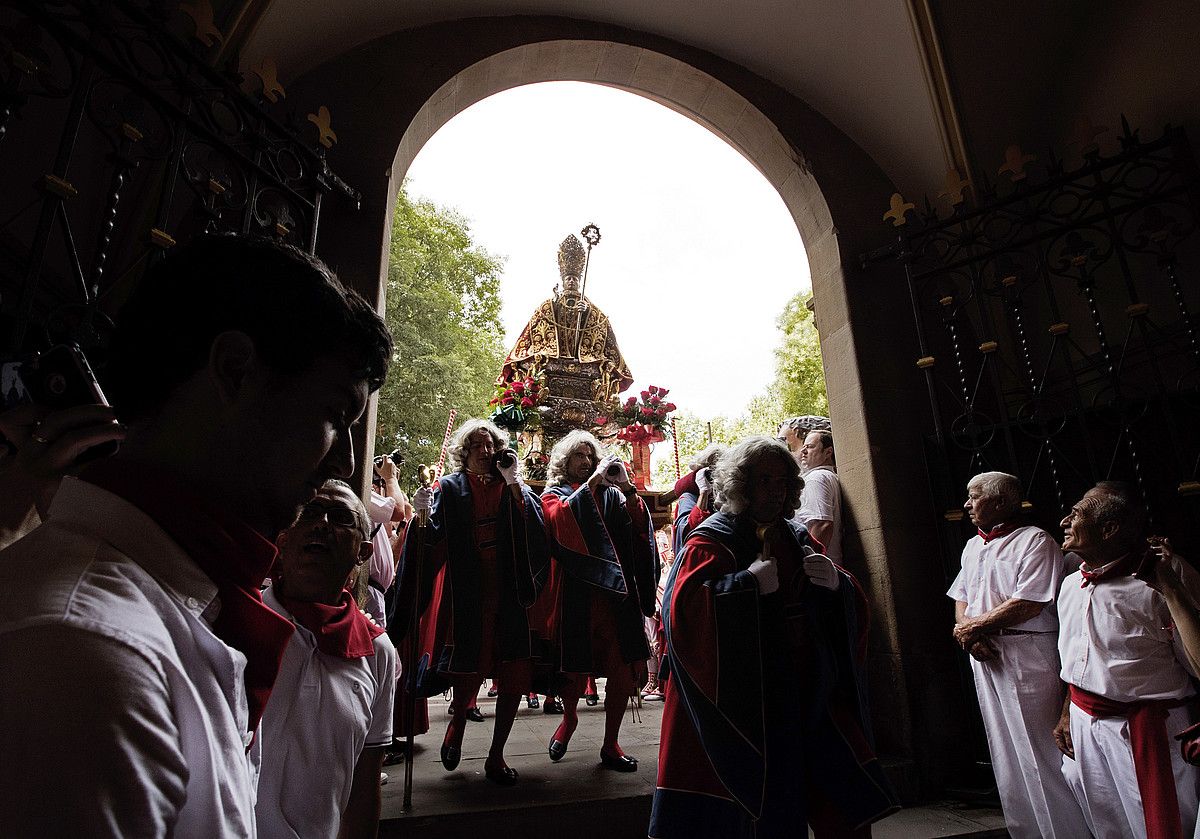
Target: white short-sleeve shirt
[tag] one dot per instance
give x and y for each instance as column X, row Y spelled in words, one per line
column 383, row 561
column 1026, row 564
column 1117, row 640
column 323, row 712
column 108, row 662
column 821, row 500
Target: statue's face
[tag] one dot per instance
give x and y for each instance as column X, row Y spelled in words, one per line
column 570, row 289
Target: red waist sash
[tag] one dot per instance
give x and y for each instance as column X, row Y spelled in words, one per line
column 1151, row 756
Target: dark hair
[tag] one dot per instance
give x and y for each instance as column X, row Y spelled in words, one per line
column 825, row 437
column 290, row 304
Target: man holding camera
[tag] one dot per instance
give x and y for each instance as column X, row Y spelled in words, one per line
column 601, row 584
column 387, row 506
column 478, row 560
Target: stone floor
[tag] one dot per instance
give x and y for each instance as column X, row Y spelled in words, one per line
column 577, row 797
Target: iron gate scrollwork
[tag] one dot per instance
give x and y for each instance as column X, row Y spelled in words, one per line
column 1056, row 334
column 117, row 140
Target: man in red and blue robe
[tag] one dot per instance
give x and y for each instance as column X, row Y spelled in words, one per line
column 765, row 724
column 601, row 584
column 481, row 556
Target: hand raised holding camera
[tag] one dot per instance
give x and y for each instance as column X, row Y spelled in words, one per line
column 508, row 466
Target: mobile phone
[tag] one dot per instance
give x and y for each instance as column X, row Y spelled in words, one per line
column 56, row 379
column 61, row 378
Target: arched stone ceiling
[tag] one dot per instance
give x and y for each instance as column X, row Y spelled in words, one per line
column 856, row 61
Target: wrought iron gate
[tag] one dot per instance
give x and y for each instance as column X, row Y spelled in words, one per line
column 1054, row 329
column 117, row 139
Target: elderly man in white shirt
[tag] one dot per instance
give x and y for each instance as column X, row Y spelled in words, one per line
column 1129, row 686
column 1005, row 618
column 136, row 654
column 329, row 719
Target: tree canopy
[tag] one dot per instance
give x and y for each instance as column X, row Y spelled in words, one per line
column 798, row 389
column 443, row 309
column 799, row 372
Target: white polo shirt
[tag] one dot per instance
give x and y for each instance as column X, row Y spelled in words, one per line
column 821, row 499
column 1026, row 564
column 1117, row 640
column 323, row 712
column 121, row 713
column 383, row 561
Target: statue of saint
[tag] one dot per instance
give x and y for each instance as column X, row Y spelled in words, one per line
column 570, row 327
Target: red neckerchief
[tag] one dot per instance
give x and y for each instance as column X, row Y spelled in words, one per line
column 233, row 555
column 1151, row 756
column 1122, row 567
column 342, row 631
column 996, row 532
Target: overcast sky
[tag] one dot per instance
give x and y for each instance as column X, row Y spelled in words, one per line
column 698, row 253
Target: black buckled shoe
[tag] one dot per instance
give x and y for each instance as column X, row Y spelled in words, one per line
column 624, row 763
column 557, row 749
column 591, row 699
column 474, row 715
column 505, row 776
column 532, row 701
column 451, row 755
column 551, row 706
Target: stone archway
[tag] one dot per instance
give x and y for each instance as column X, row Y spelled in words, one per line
column 394, row 93
column 671, row 83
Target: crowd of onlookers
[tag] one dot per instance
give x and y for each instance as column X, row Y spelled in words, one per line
column 228, row 641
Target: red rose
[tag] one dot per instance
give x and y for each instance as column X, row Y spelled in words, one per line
column 518, row 387
column 645, row 395
column 662, row 391
column 646, row 412
column 508, row 400
column 526, row 402
column 654, row 399
column 670, row 406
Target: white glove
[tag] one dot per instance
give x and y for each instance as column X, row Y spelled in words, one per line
column 510, row 473
column 702, row 481
column 820, row 569
column 766, row 574
column 622, row 477
column 422, row 500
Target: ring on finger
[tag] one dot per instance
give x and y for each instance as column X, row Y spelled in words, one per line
column 38, row 438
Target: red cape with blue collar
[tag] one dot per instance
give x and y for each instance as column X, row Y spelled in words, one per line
column 450, row 582
column 598, row 543
column 750, row 746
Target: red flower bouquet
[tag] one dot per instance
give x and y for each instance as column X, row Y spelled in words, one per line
column 644, row 419
column 516, row 401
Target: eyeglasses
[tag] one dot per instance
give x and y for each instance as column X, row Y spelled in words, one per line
column 337, row 516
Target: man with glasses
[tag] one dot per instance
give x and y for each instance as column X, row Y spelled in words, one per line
column 329, row 720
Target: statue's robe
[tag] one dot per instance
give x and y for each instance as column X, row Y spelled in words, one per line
column 551, row 333
column 454, row 625
column 765, row 725
column 600, row 549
